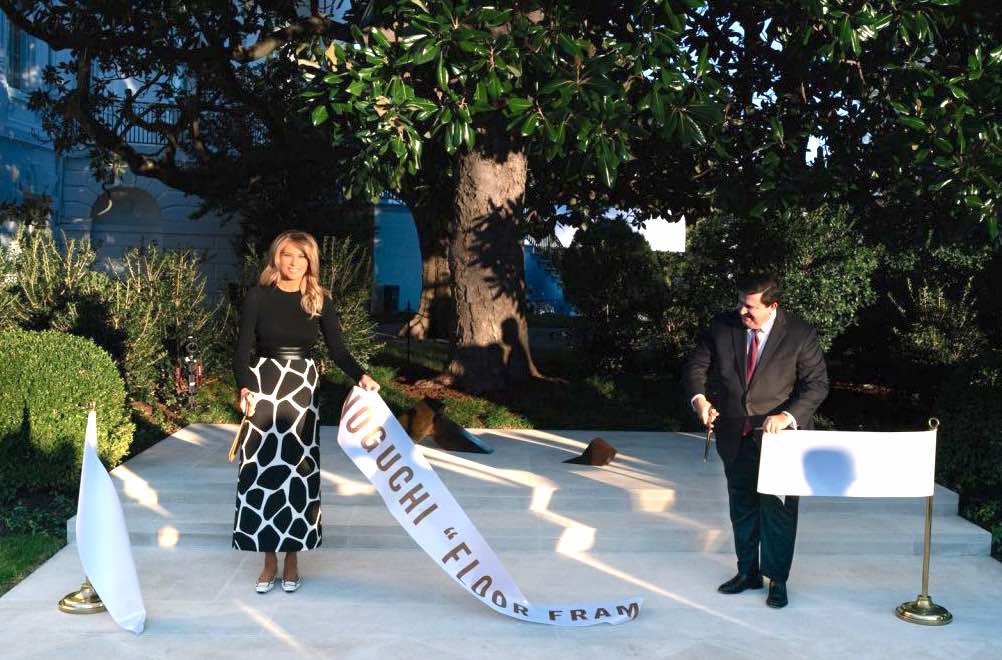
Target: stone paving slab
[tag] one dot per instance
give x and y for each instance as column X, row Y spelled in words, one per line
column 396, row 603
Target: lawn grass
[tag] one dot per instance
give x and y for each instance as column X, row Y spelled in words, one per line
column 569, row 397
column 20, row 554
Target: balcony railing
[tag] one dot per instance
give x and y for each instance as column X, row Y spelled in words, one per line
column 150, row 113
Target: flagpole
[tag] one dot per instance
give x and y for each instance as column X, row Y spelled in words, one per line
column 923, row 610
column 84, row 600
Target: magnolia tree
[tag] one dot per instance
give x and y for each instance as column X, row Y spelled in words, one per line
column 467, row 104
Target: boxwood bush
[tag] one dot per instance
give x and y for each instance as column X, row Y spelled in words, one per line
column 47, row 380
column 969, row 455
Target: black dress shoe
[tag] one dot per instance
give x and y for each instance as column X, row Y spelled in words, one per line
column 739, row 583
column 777, row 594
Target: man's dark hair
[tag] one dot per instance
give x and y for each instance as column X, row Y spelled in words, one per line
column 764, row 283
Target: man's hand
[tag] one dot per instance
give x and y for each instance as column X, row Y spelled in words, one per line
column 776, row 423
column 706, row 412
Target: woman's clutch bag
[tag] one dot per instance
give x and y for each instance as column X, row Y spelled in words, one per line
column 238, row 439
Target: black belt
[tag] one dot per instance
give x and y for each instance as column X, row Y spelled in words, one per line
column 284, row 353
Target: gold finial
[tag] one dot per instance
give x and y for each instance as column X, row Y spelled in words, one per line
column 92, row 407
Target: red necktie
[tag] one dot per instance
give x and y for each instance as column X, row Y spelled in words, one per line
column 750, row 365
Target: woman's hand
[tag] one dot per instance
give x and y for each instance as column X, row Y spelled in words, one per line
column 246, row 403
column 368, row 384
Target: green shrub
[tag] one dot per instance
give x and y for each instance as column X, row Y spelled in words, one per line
column 346, row 271
column 51, row 285
column 157, row 300
column 139, row 314
column 969, row 456
column 47, row 380
column 935, row 329
column 823, row 265
column 613, row 278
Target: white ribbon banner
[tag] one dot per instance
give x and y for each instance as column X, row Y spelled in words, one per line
column 103, row 540
column 848, row 463
column 381, row 449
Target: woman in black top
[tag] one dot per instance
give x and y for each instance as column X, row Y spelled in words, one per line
column 278, row 491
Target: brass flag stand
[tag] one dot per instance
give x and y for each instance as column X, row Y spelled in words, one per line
column 85, row 600
column 922, row 610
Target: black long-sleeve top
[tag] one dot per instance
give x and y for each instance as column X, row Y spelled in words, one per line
column 275, row 318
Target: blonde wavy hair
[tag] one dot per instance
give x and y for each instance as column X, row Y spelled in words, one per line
column 310, row 287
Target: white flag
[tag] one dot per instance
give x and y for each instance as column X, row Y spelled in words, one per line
column 848, row 463
column 413, row 492
column 103, row 540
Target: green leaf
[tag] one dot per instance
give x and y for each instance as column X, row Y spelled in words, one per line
column 441, row 77
column 480, row 93
column 690, row 131
column 518, row 105
column 704, row 62
column 569, row 46
column 380, row 38
column 913, row 122
column 943, row 144
column 777, row 130
column 356, row 88
column 417, row 148
column 900, row 108
column 494, row 85
column 995, row 55
column 529, row 125
column 398, row 146
column 468, row 135
column 657, row 106
column 958, row 93
column 428, row 51
column 973, row 201
column 319, row 115
column 880, row 22
column 606, row 172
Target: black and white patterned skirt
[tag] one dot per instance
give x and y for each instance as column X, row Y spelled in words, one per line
column 278, row 491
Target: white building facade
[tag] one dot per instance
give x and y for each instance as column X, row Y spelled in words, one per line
column 132, row 211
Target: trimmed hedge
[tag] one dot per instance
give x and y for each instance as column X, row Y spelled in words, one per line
column 47, row 379
column 969, row 456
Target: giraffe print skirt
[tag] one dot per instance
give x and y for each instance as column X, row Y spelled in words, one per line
column 278, row 489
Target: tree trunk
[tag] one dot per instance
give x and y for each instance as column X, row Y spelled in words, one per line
column 435, row 317
column 491, row 347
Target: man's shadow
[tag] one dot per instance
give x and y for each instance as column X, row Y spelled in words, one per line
column 829, row 471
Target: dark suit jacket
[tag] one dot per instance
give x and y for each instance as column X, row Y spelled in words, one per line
column 790, row 376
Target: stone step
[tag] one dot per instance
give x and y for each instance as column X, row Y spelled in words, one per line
column 685, row 498
column 373, row 527
column 211, row 503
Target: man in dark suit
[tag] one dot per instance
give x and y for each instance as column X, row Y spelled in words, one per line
column 766, row 371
